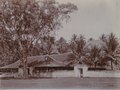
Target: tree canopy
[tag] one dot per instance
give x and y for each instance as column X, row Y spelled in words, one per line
column 27, row 21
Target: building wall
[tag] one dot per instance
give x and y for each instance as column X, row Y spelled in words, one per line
column 77, row 70
column 20, row 72
column 86, row 73
column 61, row 73
column 64, row 73
column 102, row 74
column 75, row 73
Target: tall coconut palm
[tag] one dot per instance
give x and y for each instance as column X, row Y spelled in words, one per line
column 103, row 37
column 77, row 46
column 111, row 49
column 62, row 45
column 94, row 56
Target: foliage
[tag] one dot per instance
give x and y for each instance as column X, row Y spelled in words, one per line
column 62, row 45
column 112, row 49
column 26, row 22
column 94, row 57
column 77, row 46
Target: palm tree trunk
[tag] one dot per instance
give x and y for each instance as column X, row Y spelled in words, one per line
column 111, row 65
column 95, row 64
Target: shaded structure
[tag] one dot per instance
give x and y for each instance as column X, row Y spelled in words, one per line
column 56, row 65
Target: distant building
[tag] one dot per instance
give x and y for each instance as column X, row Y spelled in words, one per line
column 47, row 66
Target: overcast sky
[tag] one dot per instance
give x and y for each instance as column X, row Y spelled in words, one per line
column 93, row 18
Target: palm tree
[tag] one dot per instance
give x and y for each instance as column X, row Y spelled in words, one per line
column 94, row 56
column 103, row 37
column 77, row 46
column 111, row 49
column 62, row 45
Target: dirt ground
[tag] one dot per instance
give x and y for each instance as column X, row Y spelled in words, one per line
column 62, row 83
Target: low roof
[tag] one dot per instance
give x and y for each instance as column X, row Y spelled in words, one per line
column 57, row 60
column 13, row 65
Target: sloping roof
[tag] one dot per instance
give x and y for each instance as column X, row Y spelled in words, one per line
column 13, row 65
column 57, row 60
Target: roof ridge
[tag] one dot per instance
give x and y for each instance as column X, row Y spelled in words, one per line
column 55, row 60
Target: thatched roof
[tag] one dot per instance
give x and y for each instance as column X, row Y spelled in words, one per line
column 56, row 60
column 13, row 65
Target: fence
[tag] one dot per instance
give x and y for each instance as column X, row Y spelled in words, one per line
column 102, row 73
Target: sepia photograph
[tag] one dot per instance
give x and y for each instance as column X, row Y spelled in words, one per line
column 59, row 44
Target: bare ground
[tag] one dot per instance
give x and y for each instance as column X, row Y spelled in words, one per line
column 62, row 83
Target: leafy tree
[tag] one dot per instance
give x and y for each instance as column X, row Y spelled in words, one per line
column 7, row 49
column 26, row 22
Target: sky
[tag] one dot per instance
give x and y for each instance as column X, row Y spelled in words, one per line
column 93, row 18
